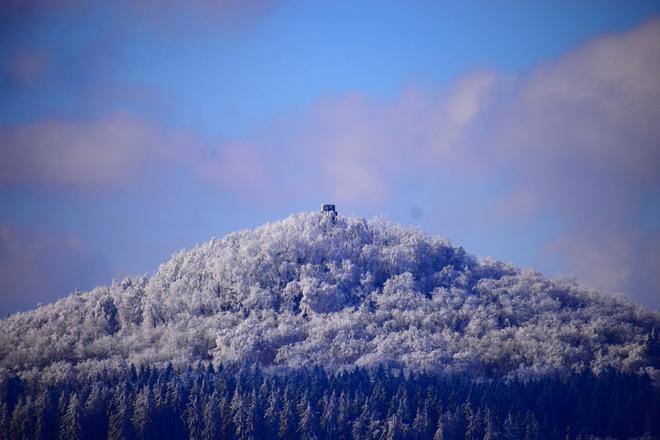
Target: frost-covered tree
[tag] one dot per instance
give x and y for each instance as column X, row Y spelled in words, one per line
column 4, row 422
column 330, row 417
column 119, row 421
column 272, row 414
column 308, row 426
column 342, row 294
column 512, row 428
column 93, row 420
column 70, row 423
column 421, row 426
column 19, row 426
column 440, row 430
column 212, row 419
column 194, row 418
column 288, row 418
column 396, row 430
column 143, row 413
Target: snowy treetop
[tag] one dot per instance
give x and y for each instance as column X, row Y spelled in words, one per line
column 339, row 292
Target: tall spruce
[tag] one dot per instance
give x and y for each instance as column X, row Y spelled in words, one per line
column 119, row 423
column 212, row 420
column 193, row 417
column 70, row 428
column 143, row 413
column 308, row 426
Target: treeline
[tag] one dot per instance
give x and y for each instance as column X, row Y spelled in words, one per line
column 208, row 403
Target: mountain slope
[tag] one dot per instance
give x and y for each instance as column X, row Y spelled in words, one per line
column 337, row 292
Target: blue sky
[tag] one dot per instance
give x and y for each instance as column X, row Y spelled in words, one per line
column 525, row 131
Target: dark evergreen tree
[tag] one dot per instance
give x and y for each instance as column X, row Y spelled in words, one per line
column 272, row 413
column 330, row 417
column 491, row 430
column 119, row 424
column 143, row 413
column 94, row 421
column 256, row 419
column 395, row 429
column 288, row 420
column 70, row 428
column 362, row 425
column 344, row 417
column 4, row 421
column 308, row 426
column 50, row 421
column 440, row 429
column 226, row 419
column 421, row 427
column 512, row 428
column 531, row 426
column 243, row 419
column 193, row 417
column 19, row 427
column 473, row 424
column 212, row 419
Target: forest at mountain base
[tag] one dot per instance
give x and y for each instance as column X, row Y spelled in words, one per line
column 208, row 403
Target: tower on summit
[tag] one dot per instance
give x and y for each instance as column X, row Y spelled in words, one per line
column 328, row 208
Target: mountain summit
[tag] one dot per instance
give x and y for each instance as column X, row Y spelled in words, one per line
column 338, row 292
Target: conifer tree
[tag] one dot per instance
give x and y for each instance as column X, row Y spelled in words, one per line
column 361, row 425
column 512, row 427
column 308, row 427
column 40, row 415
column 272, row 413
column 330, row 417
column 94, row 420
column 256, row 415
column 70, row 423
column 143, row 413
column 288, row 422
column 472, row 419
column 193, row 418
column 19, row 427
column 395, row 430
column 344, row 416
column 119, row 423
column 4, row 421
column 243, row 422
column 531, row 426
column 212, row 419
column 440, row 429
column 288, row 418
column 490, row 429
column 421, row 424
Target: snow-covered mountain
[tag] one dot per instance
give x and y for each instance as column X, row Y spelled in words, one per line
column 315, row 289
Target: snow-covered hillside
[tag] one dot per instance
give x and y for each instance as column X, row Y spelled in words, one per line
column 312, row 289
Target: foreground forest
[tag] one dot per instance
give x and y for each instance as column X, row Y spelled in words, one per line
column 208, row 403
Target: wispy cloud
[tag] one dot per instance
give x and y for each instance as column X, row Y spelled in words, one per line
column 575, row 139
column 119, row 150
column 579, row 134
column 83, row 153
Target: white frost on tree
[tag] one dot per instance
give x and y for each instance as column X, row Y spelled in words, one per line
column 312, row 291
